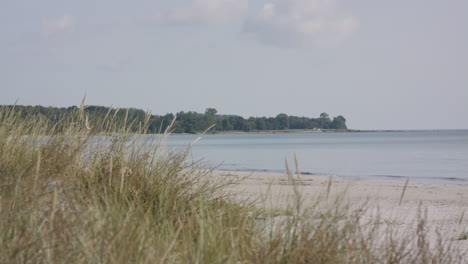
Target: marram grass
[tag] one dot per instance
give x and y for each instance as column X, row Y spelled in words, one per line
column 69, row 195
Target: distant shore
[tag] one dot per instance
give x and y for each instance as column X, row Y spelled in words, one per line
column 287, row 131
column 298, row 131
column 324, row 131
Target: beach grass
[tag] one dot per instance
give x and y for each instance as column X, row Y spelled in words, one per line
column 69, row 194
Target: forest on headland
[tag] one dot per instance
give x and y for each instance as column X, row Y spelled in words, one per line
column 185, row 122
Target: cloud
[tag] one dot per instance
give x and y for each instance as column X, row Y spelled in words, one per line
column 53, row 26
column 202, row 11
column 300, row 22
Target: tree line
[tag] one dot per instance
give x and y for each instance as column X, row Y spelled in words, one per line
column 184, row 122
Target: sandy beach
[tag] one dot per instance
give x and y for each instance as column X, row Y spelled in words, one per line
column 445, row 204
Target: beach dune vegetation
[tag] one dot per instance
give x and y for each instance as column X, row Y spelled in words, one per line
column 75, row 189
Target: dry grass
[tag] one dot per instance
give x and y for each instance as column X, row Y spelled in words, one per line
column 68, row 195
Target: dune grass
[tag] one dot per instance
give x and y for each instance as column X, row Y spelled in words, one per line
column 71, row 195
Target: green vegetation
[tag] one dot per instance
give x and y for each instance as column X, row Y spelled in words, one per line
column 463, row 236
column 186, row 122
column 68, row 195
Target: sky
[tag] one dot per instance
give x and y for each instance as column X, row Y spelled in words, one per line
column 381, row 64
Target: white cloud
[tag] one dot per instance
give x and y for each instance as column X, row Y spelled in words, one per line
column 300, row 22
column 57, row 25
column 202, row 11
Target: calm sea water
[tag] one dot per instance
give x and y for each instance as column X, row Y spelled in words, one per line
column 426, row 156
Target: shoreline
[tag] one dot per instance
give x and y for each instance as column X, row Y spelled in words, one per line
column 385, row 189
column 444, row 204
column 286, row 131
column 394, row 178
column 278, row 131
column 293, row 131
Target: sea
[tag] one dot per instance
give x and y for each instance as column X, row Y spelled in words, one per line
column 423, row 156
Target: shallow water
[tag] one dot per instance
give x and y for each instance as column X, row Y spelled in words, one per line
column 425, row 156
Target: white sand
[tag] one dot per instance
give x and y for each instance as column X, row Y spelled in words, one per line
column 445, row 203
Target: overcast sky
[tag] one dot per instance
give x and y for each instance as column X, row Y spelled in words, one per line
column 382, row 64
